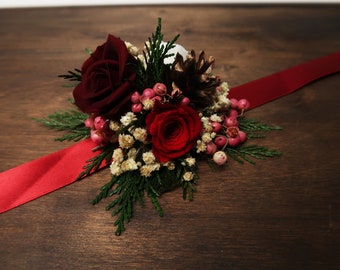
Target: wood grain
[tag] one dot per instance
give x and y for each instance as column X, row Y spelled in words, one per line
column 282, row 213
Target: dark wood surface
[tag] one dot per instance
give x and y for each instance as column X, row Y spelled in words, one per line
column 282, row 213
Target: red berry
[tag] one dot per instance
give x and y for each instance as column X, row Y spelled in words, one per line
column 89, row 122
column 231, row 121
column 137, row 107
column 216, row 126
column 160, row 89
column 220, row 141
column 211, row 148
column 220, row 158
column 99, row 123
column 185, row 101
column 243, row 136
column 243, row 104
column 234, row 103
column 135, row 97
column 234, row 141
column 233, row 113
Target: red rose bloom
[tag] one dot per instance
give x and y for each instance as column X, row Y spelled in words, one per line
column 174, row 130
column 105, row 88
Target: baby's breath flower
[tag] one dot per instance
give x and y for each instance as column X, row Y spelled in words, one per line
column 140, row 134
column 215, row 118
column 114, row 126
column 188, row 176
column 201, row 146
column 148, row 104
column 146, row 170
column 131, row 48
column 115, row 169
column 128, row 118
column 129, row 165
column 141, row 58
column 205, row 120
column 117, row 155
column 224, row 87
column 223, row 100
column 207, row 127
column 170, row 165
column 190, row 161
column 148, row 157
column 125, row 141
column 132, row 153
column 206, row 137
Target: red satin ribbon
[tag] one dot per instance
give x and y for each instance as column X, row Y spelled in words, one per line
column 44, row 175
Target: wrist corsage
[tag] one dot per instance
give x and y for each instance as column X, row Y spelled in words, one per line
column 154, row 114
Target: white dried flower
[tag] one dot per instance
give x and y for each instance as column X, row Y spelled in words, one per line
column 148, row 157
column 132, row 153
column 215, row 118
column 131, row 48
column 114, row 126
column 170, row 165
column 190, row 161
column 224, row 101
column 140, row 134
column 128, row 118
column 207, row 127
column 188, row 176
column 205, row 120
column 141, row 58
column 148, row 104
column 125, row 141
column 118, row 155
column 206, row 137
column 146, row 170
column 224, row 87
column 201, row 146
column 129, row 165
column 115, row 169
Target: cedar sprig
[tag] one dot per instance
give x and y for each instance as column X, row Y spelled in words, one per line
column 247, row 152
column 154, row 56
column 71, row 121
column 188, row 188
column 93, row 164
column 72, row 75
column 253, row 127
column 129, row 188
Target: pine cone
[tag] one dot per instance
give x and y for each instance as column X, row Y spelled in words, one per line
column 194, row 78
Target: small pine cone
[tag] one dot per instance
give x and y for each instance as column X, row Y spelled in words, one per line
column 195, row 79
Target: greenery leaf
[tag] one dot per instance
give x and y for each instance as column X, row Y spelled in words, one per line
column 253, row 126
column 154, row 56
column 70, row 121
column 94, row 163
column 72, row 75
column 245, row 152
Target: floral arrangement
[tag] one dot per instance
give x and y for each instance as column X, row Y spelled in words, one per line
column 154, row 114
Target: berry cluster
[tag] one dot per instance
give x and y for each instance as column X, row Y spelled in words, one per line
column 100, row 130
column 223, row 130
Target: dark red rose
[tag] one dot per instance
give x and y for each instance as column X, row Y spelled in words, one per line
column 105, row 88
column 174, row 130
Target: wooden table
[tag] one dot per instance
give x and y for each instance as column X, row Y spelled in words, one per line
column 283, row 213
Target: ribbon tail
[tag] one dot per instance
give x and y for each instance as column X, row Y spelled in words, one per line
column 44, row 175
column 266, row 89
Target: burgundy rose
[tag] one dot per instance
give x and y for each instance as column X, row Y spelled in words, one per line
column 105, row 88
column 174, row 130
